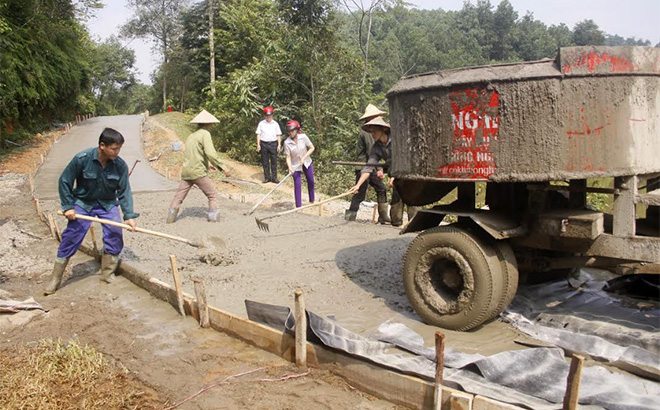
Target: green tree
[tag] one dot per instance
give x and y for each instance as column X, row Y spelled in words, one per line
column 504, row 27
column 44, row 63
column 586, row 33
column 112, row 74
column 157, row 20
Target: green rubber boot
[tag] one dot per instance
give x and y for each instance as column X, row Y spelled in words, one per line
column 56, row 278
column 350, row 216
column 383, row 218
column 109, row 264
column 396, row 213
column 171, row 215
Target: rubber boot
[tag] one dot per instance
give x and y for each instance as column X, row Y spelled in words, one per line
column 350, row 216
column 396, row 214
column 171, row 215
column 412, row 211
column 109, row 264
column 383, row 218
column 213, row 215
column 56, row 278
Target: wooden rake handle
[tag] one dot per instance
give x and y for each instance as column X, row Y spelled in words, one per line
column 268, row 194
column 290, row 211
column 128, row 227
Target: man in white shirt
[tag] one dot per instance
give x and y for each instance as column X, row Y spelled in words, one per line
column 269, row 144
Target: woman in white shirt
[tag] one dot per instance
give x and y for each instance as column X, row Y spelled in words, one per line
column 298, row 149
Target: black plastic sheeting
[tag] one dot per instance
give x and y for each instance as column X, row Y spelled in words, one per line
column 532, row 378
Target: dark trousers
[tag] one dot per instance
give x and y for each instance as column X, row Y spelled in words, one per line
column 374, row 181
column 269, row 154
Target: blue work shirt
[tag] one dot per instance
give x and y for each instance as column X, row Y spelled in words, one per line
column 93, row 183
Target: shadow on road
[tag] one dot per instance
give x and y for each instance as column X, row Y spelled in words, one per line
column 376, row 267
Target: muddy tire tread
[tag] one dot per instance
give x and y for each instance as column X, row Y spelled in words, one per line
column 493, row 284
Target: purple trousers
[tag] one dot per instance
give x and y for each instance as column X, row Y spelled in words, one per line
column 73, row 235
column 297, row 184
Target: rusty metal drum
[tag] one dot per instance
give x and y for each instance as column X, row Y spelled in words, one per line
column 591, row 112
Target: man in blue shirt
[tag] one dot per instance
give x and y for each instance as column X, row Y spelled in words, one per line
column 101, row 183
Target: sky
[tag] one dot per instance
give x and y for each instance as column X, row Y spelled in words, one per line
column 629, row 18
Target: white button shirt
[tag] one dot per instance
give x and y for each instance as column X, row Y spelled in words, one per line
column 297, row 149
column 268, row 131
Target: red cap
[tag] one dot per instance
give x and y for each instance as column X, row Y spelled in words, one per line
column 292, row 125
column 268, row 110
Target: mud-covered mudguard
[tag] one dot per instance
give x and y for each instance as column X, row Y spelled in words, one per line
column 497, row 225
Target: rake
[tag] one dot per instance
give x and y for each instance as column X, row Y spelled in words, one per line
column 264, row 226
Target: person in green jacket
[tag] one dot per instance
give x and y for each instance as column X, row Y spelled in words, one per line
column 94, row 183
column 199, row 151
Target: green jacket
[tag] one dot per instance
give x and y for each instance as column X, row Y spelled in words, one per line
column 93, row 184
column 199, row 151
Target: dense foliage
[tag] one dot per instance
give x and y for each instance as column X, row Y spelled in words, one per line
column 51, row 70
column 317, row 61
column 44, row 68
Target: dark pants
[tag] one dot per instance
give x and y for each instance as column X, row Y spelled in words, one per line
column 374, row 181
column 269, row 154
column 73, row 235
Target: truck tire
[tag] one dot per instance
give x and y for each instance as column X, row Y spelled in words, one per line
column 509, row 270
column 452, row 279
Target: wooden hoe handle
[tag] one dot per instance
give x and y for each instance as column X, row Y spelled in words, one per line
column 128, row 227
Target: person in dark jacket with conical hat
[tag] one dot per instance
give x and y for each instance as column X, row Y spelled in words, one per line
column 364, row 143
column 382, row 150
column 199, row 151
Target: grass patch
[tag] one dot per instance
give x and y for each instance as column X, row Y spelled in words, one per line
column 56, row 375
column 177, row 122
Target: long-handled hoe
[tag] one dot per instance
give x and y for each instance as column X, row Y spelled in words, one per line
column 141, row 230
column 264, row 226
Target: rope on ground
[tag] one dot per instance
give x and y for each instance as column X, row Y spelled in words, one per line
column 226, row 381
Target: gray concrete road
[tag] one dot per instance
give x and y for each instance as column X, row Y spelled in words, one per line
column 85, row 135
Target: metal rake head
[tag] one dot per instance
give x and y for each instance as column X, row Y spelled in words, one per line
column 262, row 225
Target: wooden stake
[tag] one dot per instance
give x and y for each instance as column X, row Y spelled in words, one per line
column 51, row 224
column 439, row 369
column 91, row 232
column 573, row 383
column 202, row 307
column 373, row 214
column 320, row 210
column 301, row 330
column 58, row 233
column 177, row 285
column 31, row 180
column 38, row 207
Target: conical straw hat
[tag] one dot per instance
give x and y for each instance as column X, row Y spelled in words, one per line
column 204, row 117
column 379, row 121
column 372, row 111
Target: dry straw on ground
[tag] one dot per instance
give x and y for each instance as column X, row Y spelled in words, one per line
column 57, row 375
